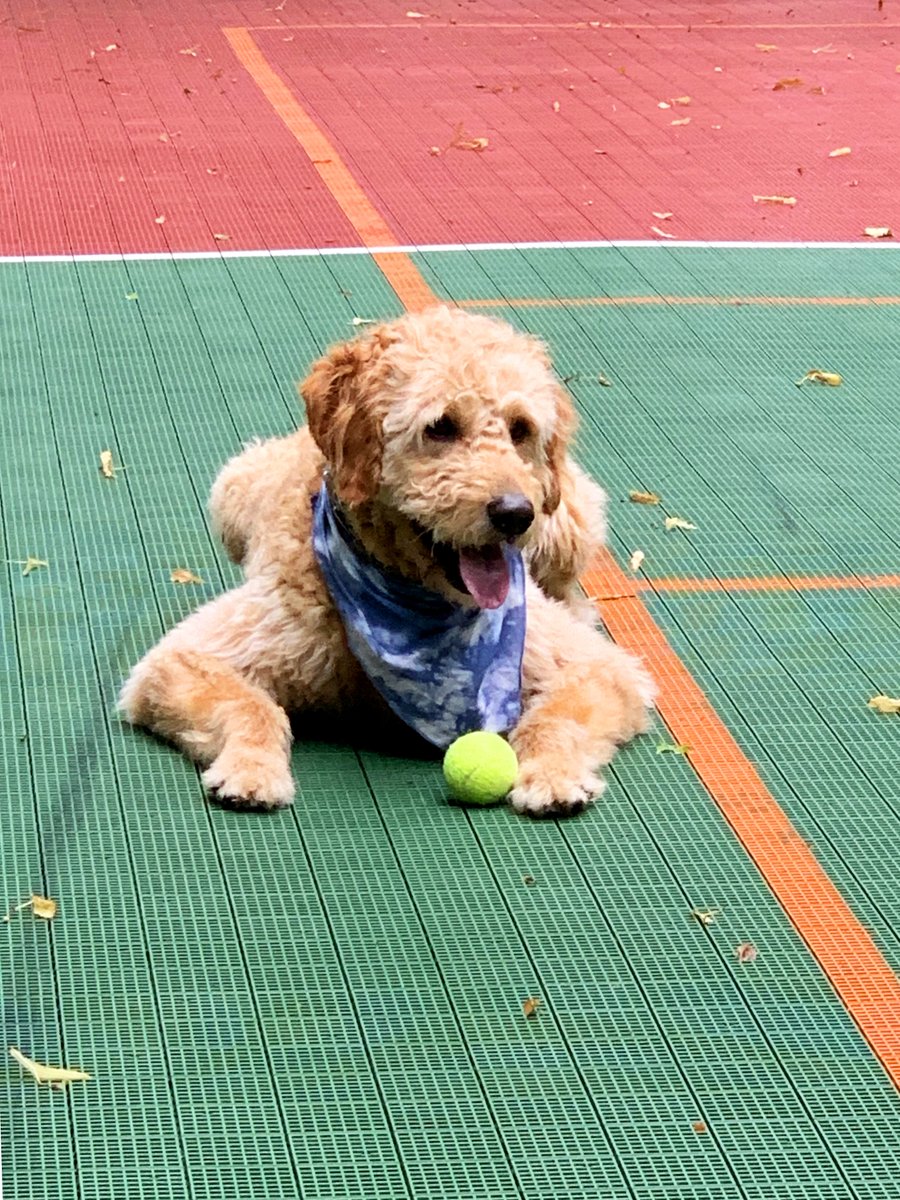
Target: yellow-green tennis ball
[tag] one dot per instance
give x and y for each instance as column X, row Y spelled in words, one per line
column 480, row 768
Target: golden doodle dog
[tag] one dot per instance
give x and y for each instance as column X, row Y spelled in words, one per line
column 414, row 551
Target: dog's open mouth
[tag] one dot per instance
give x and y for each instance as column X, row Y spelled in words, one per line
column 482, row 571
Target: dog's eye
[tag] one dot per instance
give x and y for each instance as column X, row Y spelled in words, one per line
column 443, row 430
column 520, row 431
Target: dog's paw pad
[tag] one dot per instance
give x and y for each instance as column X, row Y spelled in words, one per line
column 248, row 786
column 537, row 794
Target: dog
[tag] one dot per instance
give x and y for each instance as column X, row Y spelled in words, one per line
column 432, row 486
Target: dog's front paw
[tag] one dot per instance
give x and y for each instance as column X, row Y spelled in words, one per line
column 239, row 779
column 547, row 789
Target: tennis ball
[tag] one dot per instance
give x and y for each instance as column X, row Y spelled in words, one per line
column 480, row 768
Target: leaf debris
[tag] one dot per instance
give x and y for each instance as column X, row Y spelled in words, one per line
column 840, row 152
column 643, row 498
column 673, row 748
column 183, row 575
column 41, row 906
column 705, row 916
column 791, row 81
column 531, row 1006
column 789, row 200
column 878, row 231
column 884, row 704
column 58, row 1076
column 828, row 378
column 746, row 952
column 678, row 523
column 634, row 563
column 30, row 563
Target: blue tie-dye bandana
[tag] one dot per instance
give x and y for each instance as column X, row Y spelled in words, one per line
column 445, row 669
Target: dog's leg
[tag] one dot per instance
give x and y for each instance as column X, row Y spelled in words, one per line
column 218, row 718
column 584, row 696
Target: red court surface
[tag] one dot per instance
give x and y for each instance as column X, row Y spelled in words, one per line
column 119, row 114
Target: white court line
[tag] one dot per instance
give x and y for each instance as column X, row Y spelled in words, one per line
column 459, row 247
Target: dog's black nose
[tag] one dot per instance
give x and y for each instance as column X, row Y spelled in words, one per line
column 511, row 513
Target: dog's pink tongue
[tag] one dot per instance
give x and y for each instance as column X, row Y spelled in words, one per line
column 486, row 574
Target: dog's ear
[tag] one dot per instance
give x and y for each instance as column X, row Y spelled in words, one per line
column 341, row 395
column 557, row 450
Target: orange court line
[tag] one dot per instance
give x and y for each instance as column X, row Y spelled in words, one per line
column 628, row 301
column 399, row 269
column 601, row 584
column 859, row 974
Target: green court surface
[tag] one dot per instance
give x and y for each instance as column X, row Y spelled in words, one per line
column 327, row 1003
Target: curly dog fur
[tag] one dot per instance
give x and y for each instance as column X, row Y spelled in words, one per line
column 420, row 423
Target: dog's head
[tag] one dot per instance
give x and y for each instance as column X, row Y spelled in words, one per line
column 445, row 434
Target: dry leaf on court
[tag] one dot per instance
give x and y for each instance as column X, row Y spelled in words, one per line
column 111, row 46
column 191, row 50
column 41, row 906
column 705, row 916
column 222, row 237
column 357, row 321
column 603, row 380
column 530, row 1006
column 791, row 81
column 699, row 1127
column 107, row 470
column 634, row 563
column 463, row 141
column 817, row 91
column 131, row 295
column 682, row 100
column 678, row 523
column 30, row 563
column 44, row 1074
column 746, row 952
column 663, row 216
column 666, row 104
column 183, row 575
column 840, row 152
column 556, row 106
column 829, row 378
column 159, row 220
column 790, row 200
column 766, row 47
column 643, row 497
column 417, row 15
column 884, row 704
column 661, row 232
column 878, row 231
column 673, row 748
column 682, row 121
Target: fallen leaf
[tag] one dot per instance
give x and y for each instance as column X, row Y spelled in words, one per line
column 417, row 15
column 673, row 748
column 528, row 880
column 163, row 137
column 434, row 150
column 44, row 907
column 678, row 523
column 840, row 152
column 159, row 220
column 878, row 231
column 462, row 141
column 111, row 46
column 107, row 470
column 790, row 200
column 643, row 497
column 43, row 1074
column 682, row 100
column 699, row 1127
column 816, row 91
column 663, row 216
column 790, row 81
column 664, row 104
column 746, row 952
column 30, row 564
column 556, row 106
column 766, row 47
column 222, row 237
column 705, row 916
column 634, row 563
column 682, row 121
column 191, row 50
column 603, row 380
column 829, row 378
column 357, row 321
column 530, row 1006
column 183, row 575
column 884, row 704
column 660, row 232
column 131, row 295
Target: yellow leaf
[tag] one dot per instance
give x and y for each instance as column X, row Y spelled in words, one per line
column 661, row 232
column 43, row 907
column 766, row 47
column 111, row 46
column 222, row 237
column 878, row 231
column 663, row 216
column 43, row 1074
column 789, row 82
column 163, row 137
column 183, row 575
column 30, row 564
column 159, row 220
column 107, row 470
column 636, row 559
column 643, row 497
column 682, row 100
column 790, row 200
column 664, row 104
column 678, row 523
column 556, row 106
column 191, row 50
column 885, row 704
column 131, row 295
column 705, row 916
column 682, row 121
column 603, row 380
column 840, row 152
column 829, row 378
column 673, row 748
column 416, row 15
column 530, row 1006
